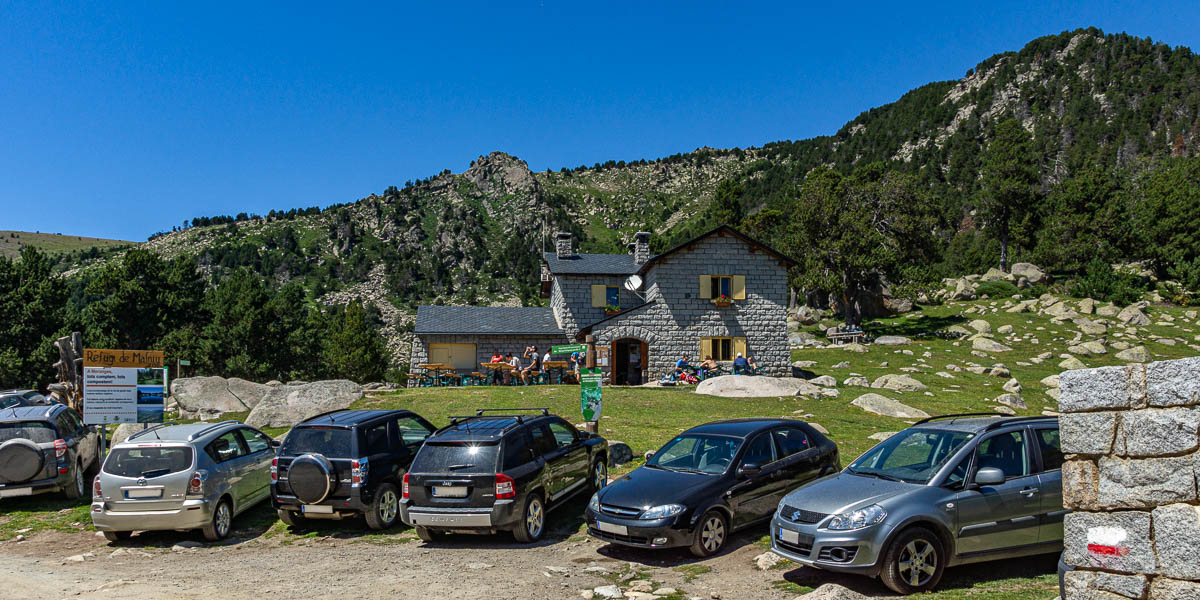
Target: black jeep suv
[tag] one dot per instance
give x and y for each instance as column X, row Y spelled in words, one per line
column 346, row 463
column 494, row 472
column 46, row 448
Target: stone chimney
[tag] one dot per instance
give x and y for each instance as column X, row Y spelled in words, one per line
column 641, row 247
column 562, row 245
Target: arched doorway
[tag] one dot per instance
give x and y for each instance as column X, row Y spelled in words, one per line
column 630, row 357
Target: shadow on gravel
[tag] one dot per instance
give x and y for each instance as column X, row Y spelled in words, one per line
column 961, row 577
column 563, row 522
column 674, row 557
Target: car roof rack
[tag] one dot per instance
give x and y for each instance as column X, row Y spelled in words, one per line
column 145, row 431
column 960, row 415
column 325, row 414
column 1016, row 420
column 519, row 417
column 214, row 426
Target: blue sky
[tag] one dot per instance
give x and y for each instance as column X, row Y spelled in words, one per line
column 122, row 119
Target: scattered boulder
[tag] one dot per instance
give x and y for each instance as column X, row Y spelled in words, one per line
column 1012, row 401
column 1090, row 327
column 619, row 453
column 1095, row 347
column 740, row 386
column 1087, row 306
column 1030, row 272
column 903, row 383
column 1135, row 354
column 287, row 405
column 988, row 345
column 994, row 274
column 206, row 397
column 124, row 430
column 608, row 591
column 1004, row 329
column 842, row 365
column 804, row 364
column 766, row 560
column 858, row 381
column 963, row 290
column 1060, row 310
column 1000, row 371
column 1050, row 381
column 824, row 381
column 892, row 340
column 1107, row 310
column 859, row 348
column 1012, row 386
column 980, row 326
column 881, row 435
column 1072, row 363
column 882, row 405
column 1133, row 315
column 897, row 306
column 808, row 315
column 832, row 591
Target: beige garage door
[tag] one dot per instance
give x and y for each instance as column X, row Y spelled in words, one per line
column 461, row 356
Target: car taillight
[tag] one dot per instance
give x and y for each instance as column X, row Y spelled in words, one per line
column 274, row 470
column 358, row 472
column 196, row 484
column 404, row 486
column 96, row 493
column 60, row 448
column 505, row 487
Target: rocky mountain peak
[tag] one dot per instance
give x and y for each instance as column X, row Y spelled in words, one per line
column 502, row 173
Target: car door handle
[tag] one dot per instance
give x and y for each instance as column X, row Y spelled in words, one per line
column 1029, row 492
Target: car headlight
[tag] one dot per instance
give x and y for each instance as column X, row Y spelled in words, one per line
column 594, row 503
column 662, row 512
column 858, row 519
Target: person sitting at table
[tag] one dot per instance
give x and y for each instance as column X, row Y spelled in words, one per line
column 532, row 356
column 709, row 366
column 515, row 363
column 682, row 367
column 753, row 366
column 497, row 357
column 740, row 365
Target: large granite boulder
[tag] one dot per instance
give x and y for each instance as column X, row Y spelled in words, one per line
column 284, row 406
column 205, row 397
column 882, row 405
column 1030, row 272
column 1133, row 315
column 743, row 386
column 903, row 383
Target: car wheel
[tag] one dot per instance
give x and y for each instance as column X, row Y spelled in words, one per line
column 77, row 487
column 385, row 509
column 116, row 536
column 533, row 522
column 428, row 535
column 914, row 562
column 599, row 474
column 222, row 521
column 710, row 535
column 292, row 518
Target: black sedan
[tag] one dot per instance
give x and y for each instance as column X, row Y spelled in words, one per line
column 709, row 481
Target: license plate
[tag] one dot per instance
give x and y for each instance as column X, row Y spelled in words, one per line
column 611, row 528
column 454, row 491
column 136, row 493
column 317, row 509
column 791, row 537
column 16, row 492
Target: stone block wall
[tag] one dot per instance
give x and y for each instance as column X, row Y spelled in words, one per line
column 1131, row 435
column 571, row 300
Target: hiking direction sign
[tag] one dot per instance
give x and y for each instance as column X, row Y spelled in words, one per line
column 123, row 386
column 568, row 348
column 590, row 403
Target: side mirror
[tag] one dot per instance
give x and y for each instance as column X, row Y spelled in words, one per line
column 989, row 476
column 650, row 454
column 276, row 444
column 749, row 470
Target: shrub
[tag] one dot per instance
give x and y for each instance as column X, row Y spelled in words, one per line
column 1101, row 282
column 996, row 289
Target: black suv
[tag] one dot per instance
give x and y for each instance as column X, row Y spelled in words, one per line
column 493, row 472
column 46, row 448
column 345, row 463
column 11, row 398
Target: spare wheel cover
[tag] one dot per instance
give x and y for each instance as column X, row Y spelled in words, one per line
column 20, row 460
column 311, row 478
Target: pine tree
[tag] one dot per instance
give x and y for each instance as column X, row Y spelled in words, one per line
column 1009, row 177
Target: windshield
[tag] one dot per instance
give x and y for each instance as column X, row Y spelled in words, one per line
column 34, row 431
column 148, row 461
column 696, row 453
column 912, row 456
column 330, row 441
column 456, row 457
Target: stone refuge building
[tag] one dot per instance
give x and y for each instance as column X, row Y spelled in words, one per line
column 718, row 294
column 1131, row 436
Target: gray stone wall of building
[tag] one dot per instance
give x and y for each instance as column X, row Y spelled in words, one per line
column 1131, row 435
column 673, row 325
column 571, row 300
column 485, row 345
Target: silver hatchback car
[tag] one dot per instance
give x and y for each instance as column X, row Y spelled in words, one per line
column 948, row 491
column 182, row 477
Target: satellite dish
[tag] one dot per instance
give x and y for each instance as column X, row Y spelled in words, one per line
column 634, row 283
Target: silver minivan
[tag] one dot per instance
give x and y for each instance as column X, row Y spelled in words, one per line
column 182, row 477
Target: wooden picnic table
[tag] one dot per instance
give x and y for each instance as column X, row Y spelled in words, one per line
column 558, row 366
column 496, row 369
column 842, row 337
column 437, row 369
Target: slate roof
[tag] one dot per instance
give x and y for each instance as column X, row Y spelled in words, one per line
column 486, row 320
column 592, row 264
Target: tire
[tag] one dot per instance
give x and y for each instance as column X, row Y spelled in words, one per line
column 904, row 576
column 221, row 523
column 292, row 518
column 533, row 520
column 599, row 474
column 116, row 536
column 428, row 535
column 385, row 510
column 711, row 534
column 78, row 485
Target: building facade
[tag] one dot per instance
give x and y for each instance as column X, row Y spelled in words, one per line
column 717, row 295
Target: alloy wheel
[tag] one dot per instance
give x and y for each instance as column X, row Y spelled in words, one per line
column 599, row 475
column 918, row 562
column 389, row 505
column 79, row 488
column 223, row 519
column 712, row 535
column 534, row 518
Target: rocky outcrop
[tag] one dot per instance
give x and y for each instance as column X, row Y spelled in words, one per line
column 741, row 386
column 284, row 406
column 1030, row 272
column 210, row 397
column 903, row 383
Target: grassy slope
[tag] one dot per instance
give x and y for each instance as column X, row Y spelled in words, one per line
column 52, row 243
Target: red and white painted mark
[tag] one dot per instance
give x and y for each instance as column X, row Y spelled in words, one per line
column 1107, row 541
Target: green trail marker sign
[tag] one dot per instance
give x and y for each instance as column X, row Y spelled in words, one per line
column 568, row 348
column 589, row 393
